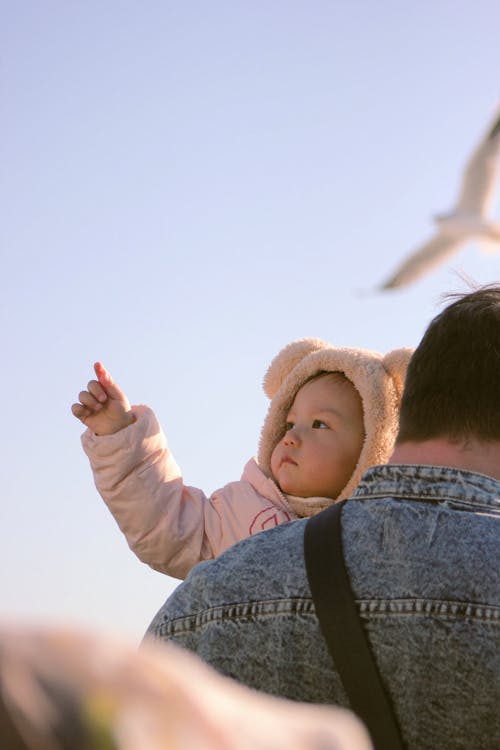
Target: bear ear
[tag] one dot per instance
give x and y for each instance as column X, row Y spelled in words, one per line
column 396, row 364
column 285, row 361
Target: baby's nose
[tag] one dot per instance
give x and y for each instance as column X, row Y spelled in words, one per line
column 291, row 437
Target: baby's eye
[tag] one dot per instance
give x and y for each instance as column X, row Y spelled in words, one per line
column 289, row 426
column 318, row 424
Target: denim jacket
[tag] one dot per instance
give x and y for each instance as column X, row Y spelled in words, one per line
column 422, row 548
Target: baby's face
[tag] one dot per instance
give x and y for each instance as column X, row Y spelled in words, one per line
column 325, row 433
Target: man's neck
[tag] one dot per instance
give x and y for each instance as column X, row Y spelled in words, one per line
column 470, row 455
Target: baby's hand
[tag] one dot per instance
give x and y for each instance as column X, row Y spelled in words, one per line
column 103, row 407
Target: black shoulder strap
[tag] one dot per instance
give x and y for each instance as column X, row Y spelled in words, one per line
column 342, row 628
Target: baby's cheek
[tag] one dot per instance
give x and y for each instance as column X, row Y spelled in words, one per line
column 277, row 454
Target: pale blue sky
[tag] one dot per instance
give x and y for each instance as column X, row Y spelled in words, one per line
column 185, row 188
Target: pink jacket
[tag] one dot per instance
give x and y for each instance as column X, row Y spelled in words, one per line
column 168, row 525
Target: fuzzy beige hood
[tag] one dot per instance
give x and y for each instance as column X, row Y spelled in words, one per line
column 379, row 380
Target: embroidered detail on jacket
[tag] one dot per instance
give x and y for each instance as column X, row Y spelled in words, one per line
column 267, row 519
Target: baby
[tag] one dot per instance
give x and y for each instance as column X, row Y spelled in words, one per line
column 333, row 413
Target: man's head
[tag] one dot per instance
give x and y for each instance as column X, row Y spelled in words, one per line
column 452, row 386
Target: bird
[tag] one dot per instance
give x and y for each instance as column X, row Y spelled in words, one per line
column 468, row 220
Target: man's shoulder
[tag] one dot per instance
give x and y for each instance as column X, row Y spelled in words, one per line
column 247, row 563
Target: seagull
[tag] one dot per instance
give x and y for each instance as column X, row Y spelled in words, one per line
column 469, row 218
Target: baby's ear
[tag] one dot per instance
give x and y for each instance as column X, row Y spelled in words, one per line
column 396, row 364
column 285, row 361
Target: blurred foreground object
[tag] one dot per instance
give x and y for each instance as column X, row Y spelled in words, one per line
column 469, row 218
column 65, row 689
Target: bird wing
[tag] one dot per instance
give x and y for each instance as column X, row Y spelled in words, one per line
column 481, row 172
column 422, row 260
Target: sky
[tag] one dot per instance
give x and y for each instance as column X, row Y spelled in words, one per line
column 186, row 187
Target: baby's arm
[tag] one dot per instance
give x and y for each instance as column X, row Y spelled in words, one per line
column 103, row 407
column 139, row 480
column 141, row 483
column 168, row 525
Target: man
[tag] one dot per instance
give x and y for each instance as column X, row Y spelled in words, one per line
column 421, row 540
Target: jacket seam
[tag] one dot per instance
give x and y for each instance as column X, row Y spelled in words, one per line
column 368, row 609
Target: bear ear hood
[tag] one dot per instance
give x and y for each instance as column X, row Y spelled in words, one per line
column 286, row 360
column 379, row 381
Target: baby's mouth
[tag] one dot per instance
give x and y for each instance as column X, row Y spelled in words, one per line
column 288, row 460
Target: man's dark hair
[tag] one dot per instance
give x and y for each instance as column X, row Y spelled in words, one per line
column 452, row 385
